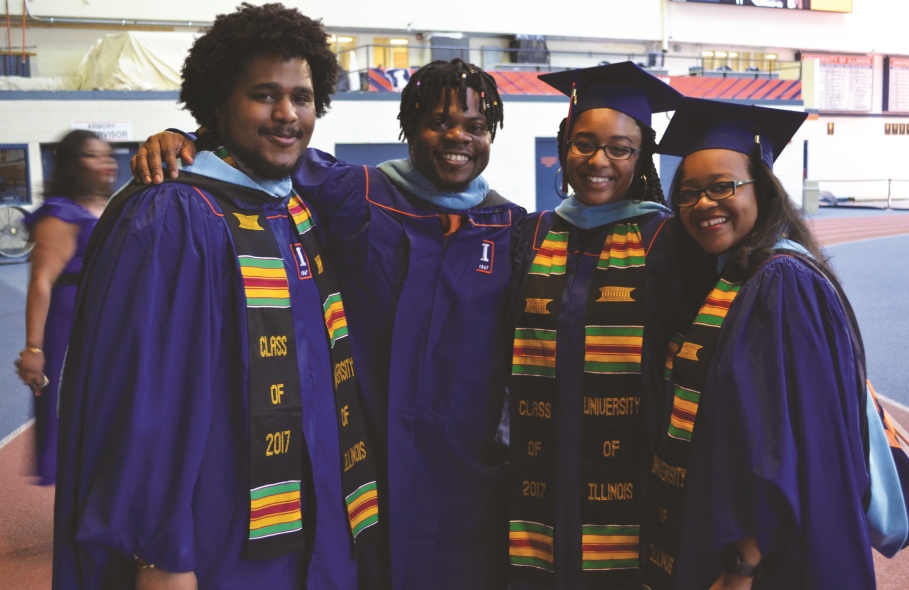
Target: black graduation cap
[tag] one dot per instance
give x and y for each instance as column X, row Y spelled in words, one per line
column 623, row 87
column 700, row 124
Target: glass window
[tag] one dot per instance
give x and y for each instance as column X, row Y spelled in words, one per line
column 390, row 53
column 14, row 187
column 343, row 46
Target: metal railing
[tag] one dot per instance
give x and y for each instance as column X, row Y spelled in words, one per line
column 882, row 192
column 364, row 57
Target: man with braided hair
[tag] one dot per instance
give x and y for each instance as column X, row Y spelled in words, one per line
column 210, row 432
column 422, row 248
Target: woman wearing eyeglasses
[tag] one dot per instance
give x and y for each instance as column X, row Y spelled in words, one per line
column 594, row 298
column 759, row 477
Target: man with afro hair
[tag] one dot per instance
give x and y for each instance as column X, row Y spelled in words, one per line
column 422, row 249
column 210, row 431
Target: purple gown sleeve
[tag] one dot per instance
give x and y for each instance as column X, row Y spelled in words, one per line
column 151, row 339
column 777, row 451
column 330, row 185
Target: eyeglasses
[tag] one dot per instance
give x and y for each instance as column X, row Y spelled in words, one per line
column 715, row 192
column 613, row 152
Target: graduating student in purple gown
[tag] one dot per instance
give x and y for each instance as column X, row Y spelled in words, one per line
column 422, row 249
column 596, row 298
column 76, row 195
column 207, row 401
column 760, row 476
column 425, row 250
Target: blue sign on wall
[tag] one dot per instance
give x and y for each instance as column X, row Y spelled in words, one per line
column 547, row 166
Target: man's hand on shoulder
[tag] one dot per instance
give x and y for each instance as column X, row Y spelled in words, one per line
column 152, row 578
column 163, row 147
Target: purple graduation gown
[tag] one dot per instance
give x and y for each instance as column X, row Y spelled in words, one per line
column 668, row 302
column 777, row 448
column 428, row 330
column 57, row 328
column 154, row 423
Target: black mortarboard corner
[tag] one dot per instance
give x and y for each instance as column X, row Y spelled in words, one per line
column 700, row 124
column 622, row 87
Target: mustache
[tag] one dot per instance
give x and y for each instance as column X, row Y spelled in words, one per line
column 288, row 131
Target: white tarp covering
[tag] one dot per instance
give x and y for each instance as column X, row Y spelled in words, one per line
column 137, row 60
column 20, row 83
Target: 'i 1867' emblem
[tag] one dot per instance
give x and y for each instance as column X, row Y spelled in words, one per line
column 487, row 252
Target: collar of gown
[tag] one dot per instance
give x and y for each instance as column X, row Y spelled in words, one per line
column 210, row 165
column 403, row 174
column 585, row 216
column 781, row 244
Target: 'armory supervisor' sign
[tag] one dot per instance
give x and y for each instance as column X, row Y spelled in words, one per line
column 107, row 130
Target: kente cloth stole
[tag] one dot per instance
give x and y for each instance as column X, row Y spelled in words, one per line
column 669, row 465
column 277, row 446
column 610, row 423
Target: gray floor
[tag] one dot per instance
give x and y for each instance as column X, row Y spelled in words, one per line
column 15, row 398
column 881, row 303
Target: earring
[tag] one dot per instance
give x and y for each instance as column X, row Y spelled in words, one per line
column 557, row 184
column 644, row 193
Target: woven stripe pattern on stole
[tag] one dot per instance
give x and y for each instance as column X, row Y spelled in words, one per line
column 613, row 349
column 534, row 352
column 363, row 508
column 335, row 320
column 301, row 215
column 275, row 509
column 610, row 547
column 264, row 281
column 624, row 248
column 530, row 544
column 669, row 465
column 552, row 255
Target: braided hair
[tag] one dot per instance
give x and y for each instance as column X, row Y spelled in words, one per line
column 436, row 80
column 652, row 189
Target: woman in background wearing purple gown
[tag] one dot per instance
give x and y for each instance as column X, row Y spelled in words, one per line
column 81, row 185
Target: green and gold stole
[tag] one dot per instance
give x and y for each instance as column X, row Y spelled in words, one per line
column 611, row 388
column 669, row 466
column 277, row 446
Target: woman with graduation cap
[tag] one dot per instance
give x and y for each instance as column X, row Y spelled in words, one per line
column 760, row 474
column 593, row 309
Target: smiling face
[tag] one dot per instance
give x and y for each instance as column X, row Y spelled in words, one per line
column 451, row 148
column 718, row 226
column 268, row 119
column 596, row 179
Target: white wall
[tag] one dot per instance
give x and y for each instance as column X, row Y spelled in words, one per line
column 618, row 19
column 873, row 26
column 34, row 122
column 859, row 150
